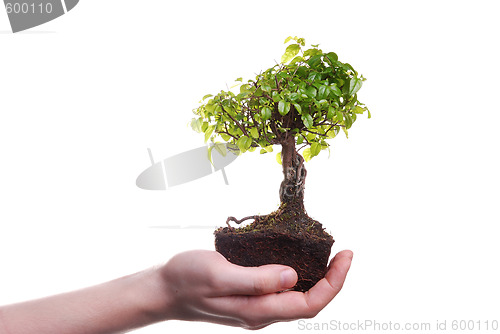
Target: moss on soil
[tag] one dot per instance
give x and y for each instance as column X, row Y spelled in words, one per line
column 288, row 219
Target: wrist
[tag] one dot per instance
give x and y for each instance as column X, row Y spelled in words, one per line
column 150, row 296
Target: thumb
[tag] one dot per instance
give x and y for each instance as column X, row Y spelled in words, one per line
column 261, row 280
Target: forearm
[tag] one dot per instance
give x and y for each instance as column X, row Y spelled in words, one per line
column 195, row 286
column 113, row 307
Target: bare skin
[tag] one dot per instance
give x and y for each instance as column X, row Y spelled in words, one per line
column 194, row 286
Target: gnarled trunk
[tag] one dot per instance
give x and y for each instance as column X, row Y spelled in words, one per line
column 287, row 236
column 294, row 174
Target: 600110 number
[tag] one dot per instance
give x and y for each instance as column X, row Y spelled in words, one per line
column 473, row 325
column 26, row 8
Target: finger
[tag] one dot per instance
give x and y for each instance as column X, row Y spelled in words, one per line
column 216, row 319
column 262, row 310
column 292, row 304
column 238, row 280
column 327, row 288
column 244, row 322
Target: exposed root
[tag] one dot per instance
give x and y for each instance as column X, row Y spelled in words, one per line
column 240, row 221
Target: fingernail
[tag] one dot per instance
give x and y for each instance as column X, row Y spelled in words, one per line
column 288, row 277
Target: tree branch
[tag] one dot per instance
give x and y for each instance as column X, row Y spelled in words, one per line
column 316, row 133
column 278, row 135
column 302, row 147
column 226, row 133
column 270, row 141
column 235, row 121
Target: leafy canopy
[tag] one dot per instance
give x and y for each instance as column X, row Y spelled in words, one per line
column 310, row 94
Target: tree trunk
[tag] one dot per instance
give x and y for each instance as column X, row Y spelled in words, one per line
column 294, row 174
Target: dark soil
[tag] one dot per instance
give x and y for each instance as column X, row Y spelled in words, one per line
column 287, row 236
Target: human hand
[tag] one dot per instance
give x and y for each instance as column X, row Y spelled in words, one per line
column 204, row 286
column 195, row 285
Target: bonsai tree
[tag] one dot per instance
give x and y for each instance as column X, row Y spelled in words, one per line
column 299, row 104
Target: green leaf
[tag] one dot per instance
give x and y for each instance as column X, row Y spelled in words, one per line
column 221, row 148
column 335, row 89
column 244, row 143
column 242, row 95
column 204, row 126
column 283, row 107
column 210, row 154
column 266, row 88
column 266, row 113
column 340, row 116
column 311, row 92
column 276, row 96
column 315, row 149
column 210, row 107
column 208, row 132
column 354, row 116
column 295, row 60
column 354, row 85
column 288, row 39
column 307, row 154
column 258, row 92
column 207, row 96
column 311, row 52
column 358, row 110
column 196, row 124
column 308, row 120
column 331, row 133
column 314, row 60
column 298, row 108
column 348, row 121
column 314, row 76
column 278, row 158
column 348, row 67
column 268, row 148
column 345, row 131
column 331, row 113
column 301, row 72
column 323, row 92
column 244, row 88
column 254, row 132
column 291, row 51
column 332, row 56
column 369, row 114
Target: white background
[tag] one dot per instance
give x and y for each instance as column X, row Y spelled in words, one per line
column 414, row 191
